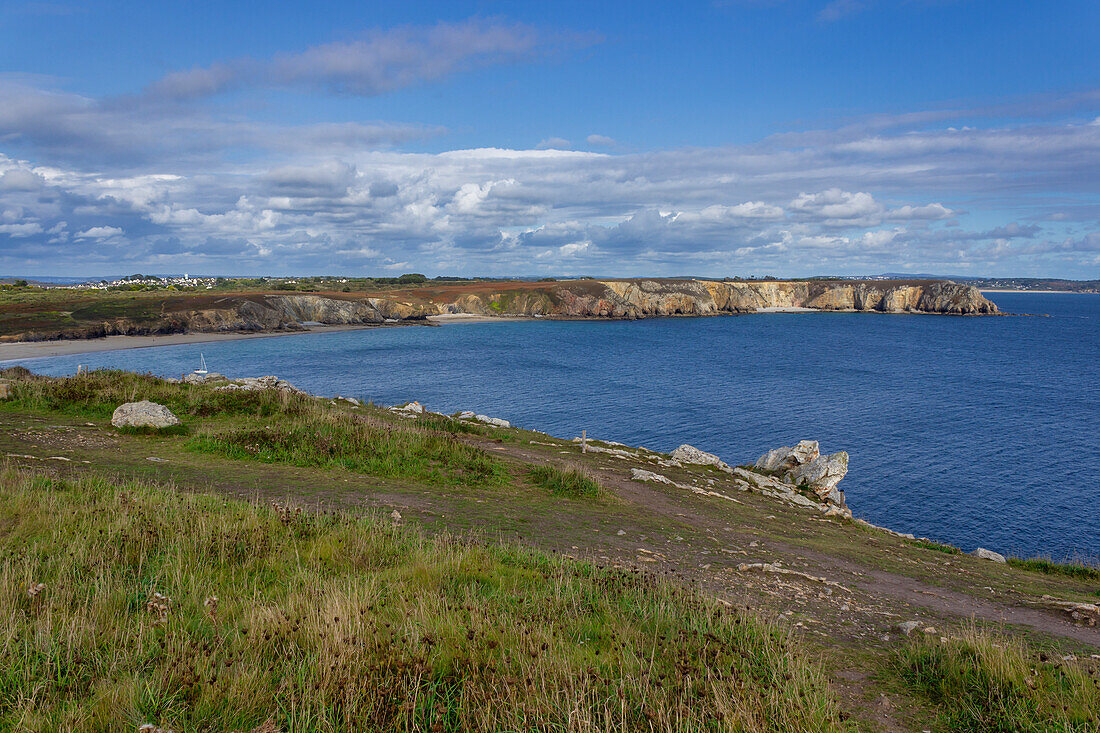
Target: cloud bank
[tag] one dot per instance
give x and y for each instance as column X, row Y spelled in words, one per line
column 166, row 181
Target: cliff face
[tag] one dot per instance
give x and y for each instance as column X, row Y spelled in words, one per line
column 571, row 299
column 642, row 298
column 600, row 299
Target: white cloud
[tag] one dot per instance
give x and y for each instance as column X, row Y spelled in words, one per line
column 21, row 230
column 602, row 141
column 555, row 143
column 103, row 232
column 378, row 62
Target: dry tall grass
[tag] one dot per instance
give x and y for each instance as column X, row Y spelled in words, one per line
column 124, row 604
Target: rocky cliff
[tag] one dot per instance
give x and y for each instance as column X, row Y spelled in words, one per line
column 592, row 299
column 642, row 298
column 254, row 312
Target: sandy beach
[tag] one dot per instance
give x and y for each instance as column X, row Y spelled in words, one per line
column 39, row 349
column 69, row 347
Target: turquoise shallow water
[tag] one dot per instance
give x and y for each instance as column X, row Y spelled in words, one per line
column 975, row 431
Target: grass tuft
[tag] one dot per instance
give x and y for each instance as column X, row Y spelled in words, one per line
column 985, row 683
column 937, row 547
column 572, row 482
column 1050, row 567
column 360, row 444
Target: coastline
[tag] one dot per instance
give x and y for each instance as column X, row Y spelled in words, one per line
column 1037, row 292
column 19, row 350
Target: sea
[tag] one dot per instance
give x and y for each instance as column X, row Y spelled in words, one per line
column 977, row 431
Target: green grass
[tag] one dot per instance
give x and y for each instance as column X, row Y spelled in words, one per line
column 937, row 547
column 986, row 683
column 571, row 482
column 97, row 394
column 1050, row 567
column 361, row 444
column 325, row 622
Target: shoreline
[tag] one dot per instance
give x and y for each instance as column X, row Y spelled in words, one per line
column 19, row 350
column 1037, row 292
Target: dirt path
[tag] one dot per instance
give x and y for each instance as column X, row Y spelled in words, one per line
column 899, row 591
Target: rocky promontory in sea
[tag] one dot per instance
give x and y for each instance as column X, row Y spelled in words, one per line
column 584, row 298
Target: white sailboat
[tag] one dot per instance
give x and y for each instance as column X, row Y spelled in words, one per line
column 202, row 366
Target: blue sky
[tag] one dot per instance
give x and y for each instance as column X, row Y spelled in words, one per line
column 724, row 137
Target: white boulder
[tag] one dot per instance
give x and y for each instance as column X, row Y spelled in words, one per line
column 144, row 414
column 690, row 454
column 989, row 555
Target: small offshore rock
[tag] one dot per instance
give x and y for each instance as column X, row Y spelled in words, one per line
column 989, row 555
column 690, row 454
column 144, row 414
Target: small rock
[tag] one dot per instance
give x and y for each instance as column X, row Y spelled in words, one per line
column 989, row 555
column 5, row 389
column 144, row 414
column 930, row 630
column 907, row 627
column 845, row 607
column 690, row 454
column 621, row 532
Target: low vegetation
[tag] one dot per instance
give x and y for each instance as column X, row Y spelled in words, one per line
column 361, row 444
column 988, row 683
column 96, row 394
column 937, row 547
column 124, row 604
column 1080, row 570
column 572, row 482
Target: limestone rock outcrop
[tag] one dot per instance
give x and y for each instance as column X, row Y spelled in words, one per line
column 143, row 414
column 690, row 454
column 803, row 465
column 989, row 555
column 252, row 384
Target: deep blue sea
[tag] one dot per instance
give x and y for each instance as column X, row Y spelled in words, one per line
column 974, row 431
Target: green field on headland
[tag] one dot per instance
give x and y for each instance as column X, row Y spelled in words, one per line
column 280, row 562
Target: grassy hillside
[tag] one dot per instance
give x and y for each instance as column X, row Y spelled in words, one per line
column 126, row 604
column 304, row 564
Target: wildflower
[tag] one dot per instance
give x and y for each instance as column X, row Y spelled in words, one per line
column 159, row 605
column 35, row 589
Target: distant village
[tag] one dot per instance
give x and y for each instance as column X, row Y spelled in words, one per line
column 144, row 281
